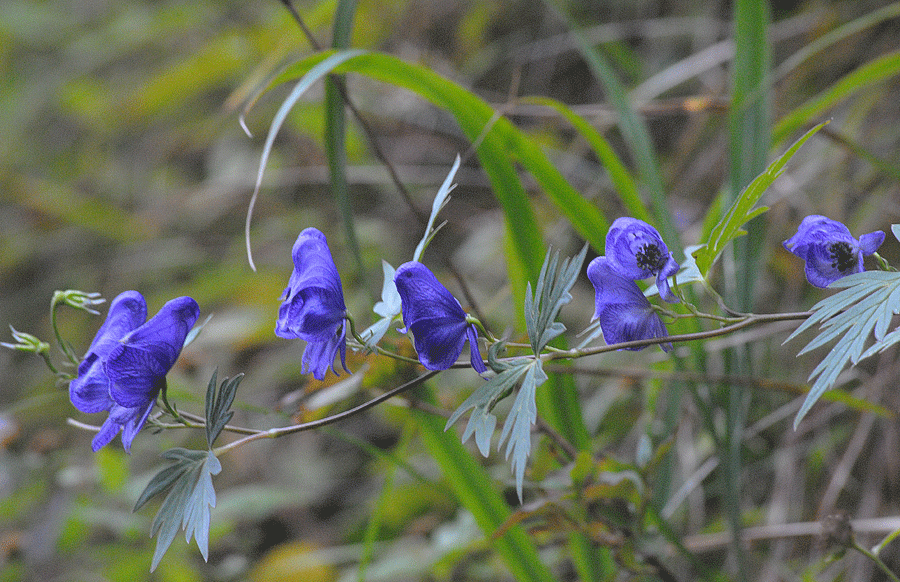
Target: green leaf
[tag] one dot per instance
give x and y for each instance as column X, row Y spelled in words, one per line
column 550, row 295
column 218, row 405
column 320, row 70
column 440, row 200
column 621, row 178
column 630, row 123
column 864, row 308
column 873, row 72
column 482, row 402
column 517, row 428
column 500, row 144
column 189, row 483
column 742, row 211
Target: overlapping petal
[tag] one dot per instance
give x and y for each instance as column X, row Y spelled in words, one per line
column 635, row 250
column 624, row 313
column 89, row 392
column 143, row 358
column 829, row 250
column 435, row 318
column 127, row 362
column 312, row 307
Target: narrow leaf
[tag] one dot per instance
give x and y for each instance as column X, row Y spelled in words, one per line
column 741, row 211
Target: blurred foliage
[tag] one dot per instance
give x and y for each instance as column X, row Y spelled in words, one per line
column 123, row 166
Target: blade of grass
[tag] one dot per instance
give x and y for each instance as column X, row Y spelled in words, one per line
column 875, row 71
column 632, row 127
column 336, row 135
column 749, row 139
column 834, row 36
column 499, row 148
column 618, row 173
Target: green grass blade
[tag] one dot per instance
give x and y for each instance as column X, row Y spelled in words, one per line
column 873, row 72
column 632, row 127
column 316, row 73
column 499, row 148
column 619, row 175
column 336, row 134
column 475, row 490
column 832, row 37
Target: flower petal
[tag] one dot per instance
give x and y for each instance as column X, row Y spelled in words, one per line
column 313, row 302
column 624, row 313
column 869, row 243
column 635, row 249
column 474, row 354
column 136, row 366
column 319, row 355
column 89, row 392
column 433, row 315
column 829, row 250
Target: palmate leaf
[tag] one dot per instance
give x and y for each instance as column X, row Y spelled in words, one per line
column 189, row 483
column 482, row 402
column 218, row 405
column 742, row 211
column 862, row 309
column 517, row 428
column 550, row 294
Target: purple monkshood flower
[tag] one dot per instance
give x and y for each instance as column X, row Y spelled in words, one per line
column 312, row 307
column 126, row 365
column 625, row 314
column 435, row 318
column 830, row 251
column 635, row 250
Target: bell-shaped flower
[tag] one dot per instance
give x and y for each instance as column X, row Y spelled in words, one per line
column 312, row 307
column 625, row 314
column 436, row 319
column 829, row 250
column 126, row 364
column 635, row 250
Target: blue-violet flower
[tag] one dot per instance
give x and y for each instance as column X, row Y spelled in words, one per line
column 312, row 307
column 435, row 318
column 829, row 250
column 126, row 365
column 635, row 250
column 625, row 314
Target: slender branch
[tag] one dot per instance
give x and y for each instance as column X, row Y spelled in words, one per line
column 286, row 430
column 874, row 557
column 684, row 337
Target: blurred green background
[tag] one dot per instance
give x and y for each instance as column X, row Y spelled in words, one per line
column 123, row 166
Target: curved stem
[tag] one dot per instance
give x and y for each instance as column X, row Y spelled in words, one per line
column 874, row 557
column 378, row 349
column 66, row 350
column 286, row 430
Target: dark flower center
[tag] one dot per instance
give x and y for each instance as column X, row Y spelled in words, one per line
column 650, row 258
column 842, row 256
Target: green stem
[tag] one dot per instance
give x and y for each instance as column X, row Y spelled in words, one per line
column 63, row 346
column 874, row 557
column 286, row 430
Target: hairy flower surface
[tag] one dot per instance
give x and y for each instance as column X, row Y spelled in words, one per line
column 127, row 363
column 829, row 250
column 635, row 250
column 435, row 318
column 625, row 314
column 312, row 307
